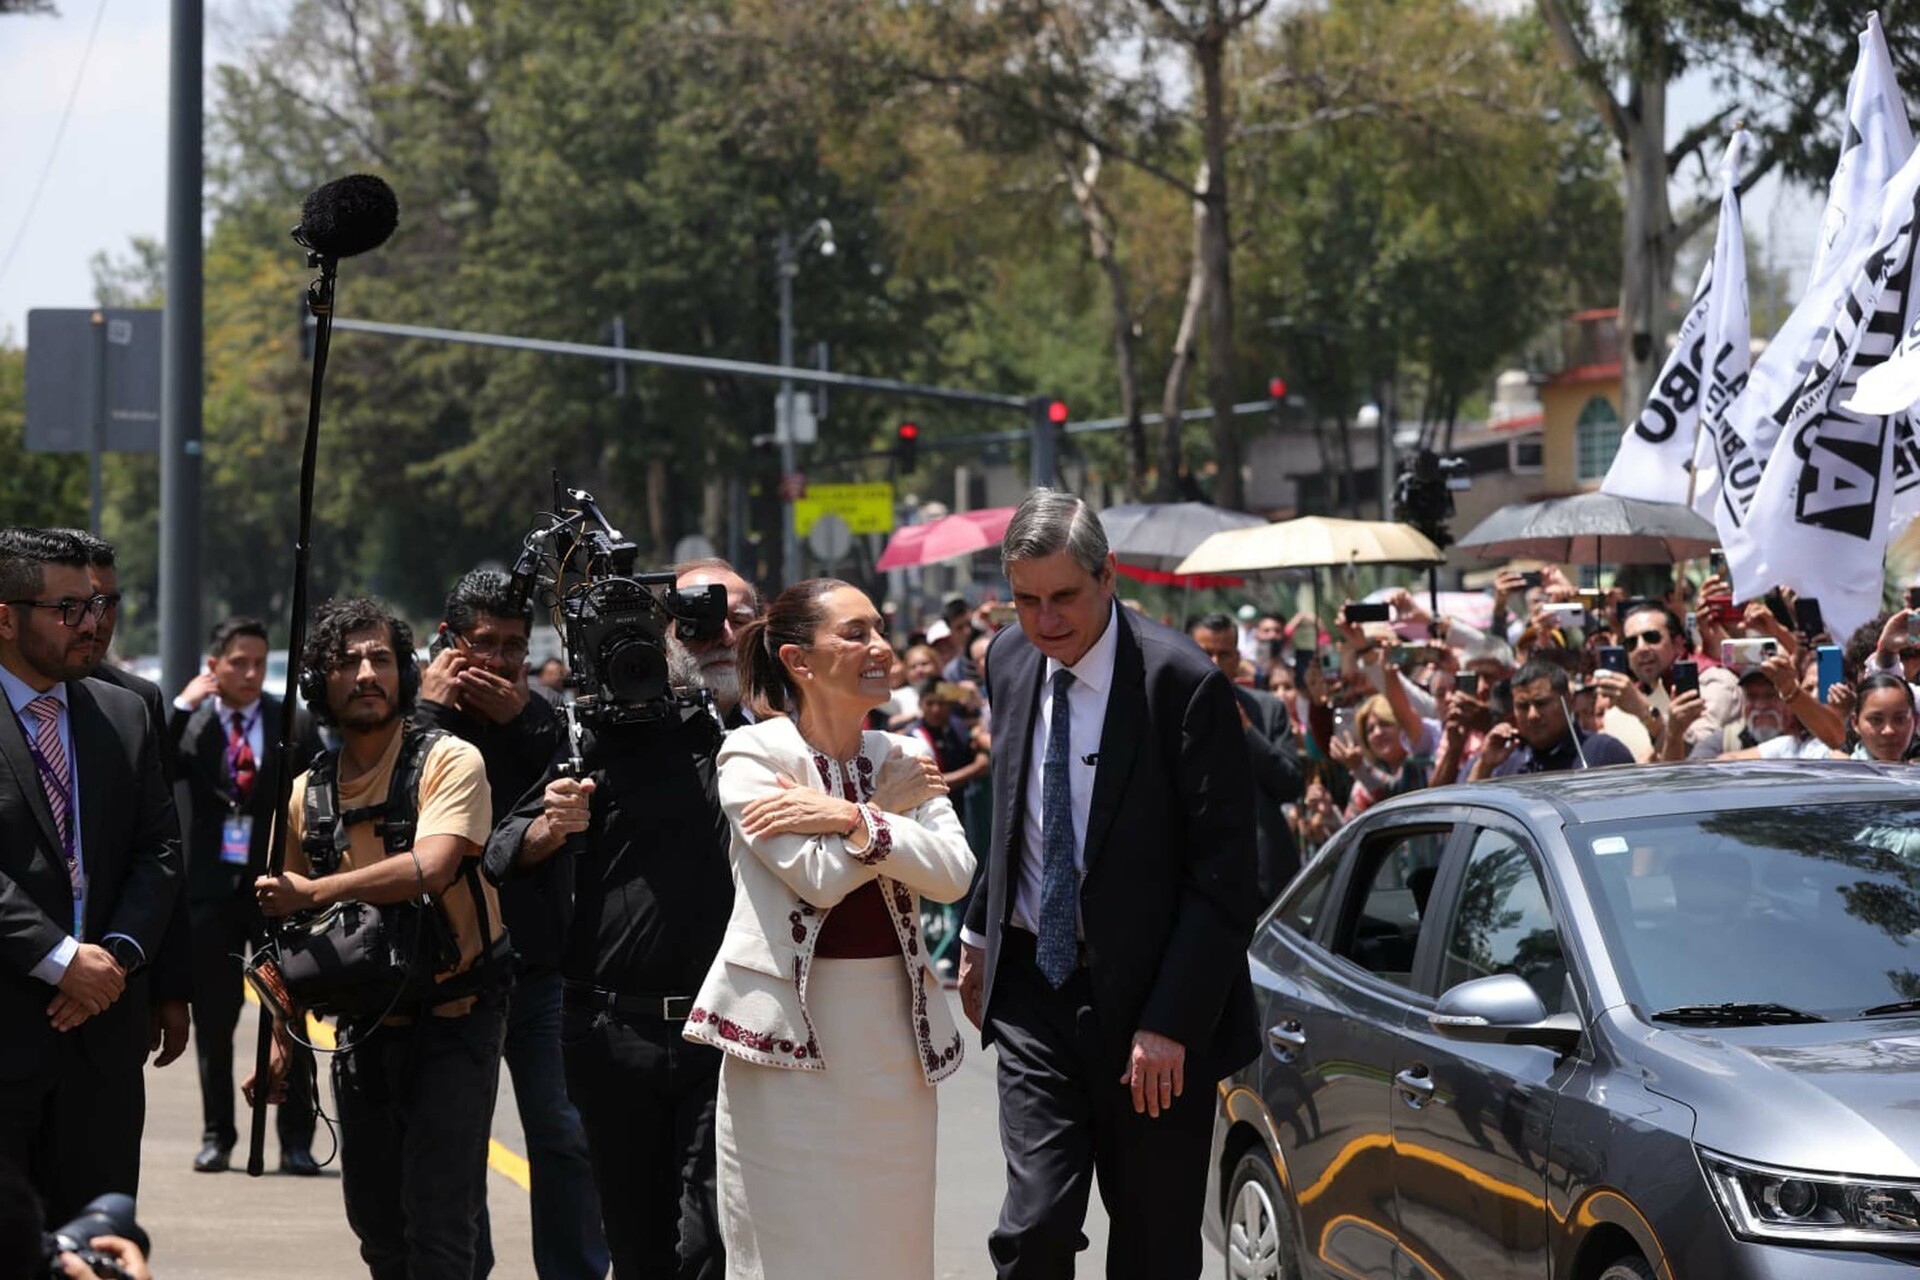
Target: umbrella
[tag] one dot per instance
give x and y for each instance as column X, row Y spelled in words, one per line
column 947, row 538
column 1594, row 528
column 1159, row 535
column 1311, row 542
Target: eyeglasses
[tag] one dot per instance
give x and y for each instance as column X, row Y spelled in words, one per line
column 511, row 651
column 74, row 612
column 1630, row 642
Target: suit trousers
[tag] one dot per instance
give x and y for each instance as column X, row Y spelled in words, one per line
column 221, row 931
column 1065, row 1117
column 74, row 1125
column 647, row 1098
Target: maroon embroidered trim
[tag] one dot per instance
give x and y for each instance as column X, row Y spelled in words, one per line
column 879, row 840
column 758, row 1041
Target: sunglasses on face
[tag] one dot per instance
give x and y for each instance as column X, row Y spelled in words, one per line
column 1651, row 639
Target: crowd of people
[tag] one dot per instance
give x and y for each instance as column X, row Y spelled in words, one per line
column 683, row 933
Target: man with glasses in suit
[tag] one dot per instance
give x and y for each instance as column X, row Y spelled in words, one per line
column 89, row 873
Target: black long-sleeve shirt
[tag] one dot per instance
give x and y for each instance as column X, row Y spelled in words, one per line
column 652, row 884
column 535, row 906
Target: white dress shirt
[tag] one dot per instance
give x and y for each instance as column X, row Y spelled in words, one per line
column 1087, row 713
column 53, row 966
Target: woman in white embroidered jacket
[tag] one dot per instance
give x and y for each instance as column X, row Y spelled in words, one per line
column 833, row 1023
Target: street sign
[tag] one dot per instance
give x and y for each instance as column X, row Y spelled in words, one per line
column 867, row 508
column 830, row 538
column 65, row 379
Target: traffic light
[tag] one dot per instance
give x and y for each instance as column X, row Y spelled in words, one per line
column 1277, row 396
column 1057, row 413
column 906, row 445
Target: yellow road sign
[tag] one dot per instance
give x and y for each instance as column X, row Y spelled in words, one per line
column 867, row 508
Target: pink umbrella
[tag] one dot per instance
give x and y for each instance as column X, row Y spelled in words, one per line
column 947, row 538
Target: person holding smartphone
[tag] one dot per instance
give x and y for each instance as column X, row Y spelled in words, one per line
column 1655, row 641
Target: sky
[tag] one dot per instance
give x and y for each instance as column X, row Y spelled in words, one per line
column 106, row 183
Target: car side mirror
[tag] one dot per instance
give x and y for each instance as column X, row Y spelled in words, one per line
column 1502, row 1009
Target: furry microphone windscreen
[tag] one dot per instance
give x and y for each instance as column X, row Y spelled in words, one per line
column 348, row 216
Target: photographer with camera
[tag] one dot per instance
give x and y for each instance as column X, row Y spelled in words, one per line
column 477, row 689
column 647, row 845
column 395, row 819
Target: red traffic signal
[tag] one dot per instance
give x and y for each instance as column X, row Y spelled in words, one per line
column 908, row 431
column 906, row 438
column 1057, row 413
column 1276, row 388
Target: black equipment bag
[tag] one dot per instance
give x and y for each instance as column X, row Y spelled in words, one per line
column 356, row 961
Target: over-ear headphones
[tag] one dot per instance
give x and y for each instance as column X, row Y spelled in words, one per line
column 312, row 680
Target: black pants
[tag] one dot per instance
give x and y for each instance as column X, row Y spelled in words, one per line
column 1065, row 1117
column 647, row 1098
column 221, row 930
column 73, row 1125
column 416, row 1113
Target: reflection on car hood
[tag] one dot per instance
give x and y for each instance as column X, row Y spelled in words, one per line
column 1838, row 1097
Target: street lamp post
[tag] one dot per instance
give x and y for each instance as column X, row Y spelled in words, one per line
column 788, row 249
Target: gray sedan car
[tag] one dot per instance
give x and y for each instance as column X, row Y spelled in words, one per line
column 1601, row 1026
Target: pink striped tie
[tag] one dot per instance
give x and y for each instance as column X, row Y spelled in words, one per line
column 56, row 778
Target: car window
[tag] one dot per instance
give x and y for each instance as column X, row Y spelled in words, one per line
column 1392, row 879
column 1502, row 923
column 1300, row 905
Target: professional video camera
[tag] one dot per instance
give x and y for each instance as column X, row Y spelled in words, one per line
column 1424, row 496
column 108, row 1215
column 613, row 621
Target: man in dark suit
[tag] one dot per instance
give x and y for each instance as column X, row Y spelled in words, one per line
column 1277, row 776
column 89, row 872
column 1107, row 956
column 227, row 735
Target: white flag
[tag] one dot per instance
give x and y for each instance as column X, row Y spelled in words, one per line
column 1878, row 142
column 1820, row 516
column 1707, row 369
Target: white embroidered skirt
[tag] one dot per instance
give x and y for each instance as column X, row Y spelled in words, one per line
column 830, row 1173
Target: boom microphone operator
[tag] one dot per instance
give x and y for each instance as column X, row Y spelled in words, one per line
column 339, row 219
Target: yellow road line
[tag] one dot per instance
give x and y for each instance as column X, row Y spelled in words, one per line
column 502, row 1159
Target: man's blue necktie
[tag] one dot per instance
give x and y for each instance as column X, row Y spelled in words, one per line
column 1059, row 880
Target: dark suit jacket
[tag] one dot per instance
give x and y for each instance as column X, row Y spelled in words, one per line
column 201, row 743
column 1278, row 780
column 130, row 841
column 1169, row 900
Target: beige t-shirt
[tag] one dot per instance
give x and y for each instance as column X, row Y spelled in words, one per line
column 454, row 800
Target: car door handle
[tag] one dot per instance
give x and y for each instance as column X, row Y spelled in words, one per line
column 1286, row 1039
column 1415, row 1086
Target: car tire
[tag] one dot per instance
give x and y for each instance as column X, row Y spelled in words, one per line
column 1259, row 1223
column 1631, row 1267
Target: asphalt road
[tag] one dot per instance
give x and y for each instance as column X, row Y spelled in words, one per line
column 232, row 1227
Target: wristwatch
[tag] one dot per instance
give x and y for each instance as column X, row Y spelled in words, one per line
column 125, row 953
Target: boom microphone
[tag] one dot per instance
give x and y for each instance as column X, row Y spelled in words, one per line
column 348, row 216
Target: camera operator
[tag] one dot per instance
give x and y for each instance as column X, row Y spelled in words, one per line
column 652, row 893
column 476, row 688
column 415, row 1091
column 227, row 733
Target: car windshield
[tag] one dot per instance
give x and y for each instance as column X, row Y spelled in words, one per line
column 1811, row 907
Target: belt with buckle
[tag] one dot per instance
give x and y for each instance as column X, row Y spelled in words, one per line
column 597, row 999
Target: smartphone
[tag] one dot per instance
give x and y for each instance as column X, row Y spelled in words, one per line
column 1777, row 605
column 1807, row 615
column 1468, row 682
column 1832, row 668
column 1000, row 615
column 438, row 645
column 1329, row 663
column 1567, row 617
column 1533, row 578
column 1362, row 611
column 1717, row 563
column 1614, row 658
column 1749, row 651
column 1686, row 677
column 1722, row 610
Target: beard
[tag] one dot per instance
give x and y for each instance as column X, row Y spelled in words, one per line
column 1766, row 726
column 716, row 672
column 363, row 715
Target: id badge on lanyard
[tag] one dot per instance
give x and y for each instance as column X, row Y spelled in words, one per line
column 236, row 839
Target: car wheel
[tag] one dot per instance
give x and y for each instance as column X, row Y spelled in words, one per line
column 1631, row 1267
column 1259, row 1225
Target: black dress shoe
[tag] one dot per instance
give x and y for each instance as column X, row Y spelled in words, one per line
column 299, row 1162
column 215, row 1157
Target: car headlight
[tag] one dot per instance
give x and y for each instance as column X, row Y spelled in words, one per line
column 1766, row 1203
